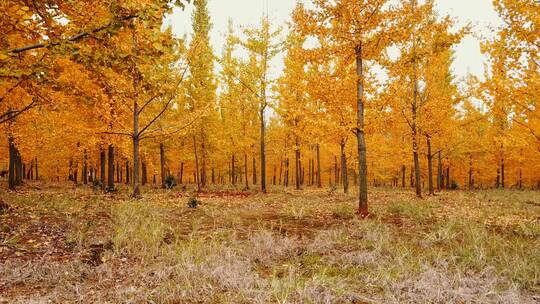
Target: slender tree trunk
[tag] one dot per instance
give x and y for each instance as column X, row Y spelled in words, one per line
column 414, row 109
column 246, row 170
column 110, row 163
column 182, row 173
column 430, row 167
column 502, row 173
column 319, row 180
column 287, row 172
column 439, row 172
column 448, row 177
column 162, row 165
column 254, row 173
column 344, row 173
column 263, row 148
column 136, row 134
column 498, row 183
column 197, row 180
column 12, row 182
column 360, row 134
column 85, row 168
column 403, row 175
column 203, row 168
column 144, row 173
column 102, row 166
column 297, row 164
column 336, row 171
column 280, row 171
column 127, row 172
column 37, row 175
column 274, row 179
column 471, row 178
column 233, row 170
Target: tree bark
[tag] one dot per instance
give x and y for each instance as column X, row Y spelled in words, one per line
column 246, row 170
column 197, row 180
column 471, row 178
column 286, row 172
column 263, row 146
column 127, row 172
column 233, row 170
column 85, row 168
column 403, row 175
column 502, row 173
column 254, row 173
column 110, row 163
column 102, row 165
column 297, row 164
column 162, row 165
column 360, row 134
column 12, row 182
column 144, row 173
column 181, row 181
column 344, row 173
column 319, row 181
column 439, row 172
column 430, row 166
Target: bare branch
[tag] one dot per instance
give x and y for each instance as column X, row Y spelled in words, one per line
column 79, row 36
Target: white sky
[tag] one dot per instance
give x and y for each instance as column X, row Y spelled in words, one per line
column 479, row 13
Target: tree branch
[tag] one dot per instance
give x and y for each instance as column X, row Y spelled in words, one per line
column 74, row 38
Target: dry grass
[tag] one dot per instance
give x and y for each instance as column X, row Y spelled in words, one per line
column 59, row 246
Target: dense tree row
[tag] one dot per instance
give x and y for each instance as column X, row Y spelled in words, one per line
column 102, row 93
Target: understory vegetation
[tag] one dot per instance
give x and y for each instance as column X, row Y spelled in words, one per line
column 79, row 246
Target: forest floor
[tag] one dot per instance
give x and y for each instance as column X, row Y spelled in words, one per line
column 61, row 244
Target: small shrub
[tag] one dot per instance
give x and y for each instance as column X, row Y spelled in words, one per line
column 193, row 202
column 170, row 182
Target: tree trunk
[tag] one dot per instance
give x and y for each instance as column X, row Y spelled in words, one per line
column 76, row 174
column 246, row 170
column 297, row 165
column 471, row 178
column 502, row 173
column 403, row 174
column 263, row 148
column 110, row 164
column 498, row 182
column 37, row 175
column 280, row 171
column 319, row 181
column 102, row 165
column 144, row 173
column 85, row 168
column 360, row 134
column 162, row 165
column 203, row 168
column 287, row 172
column 12, row 182
column 254, row 173
column 118, row 176
column 127, row 172
column 233, row 170
column 181, row 181
column 448, row 177
column 430, row 166
column 439, row 172
column 344, row 173
column 196, row 173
